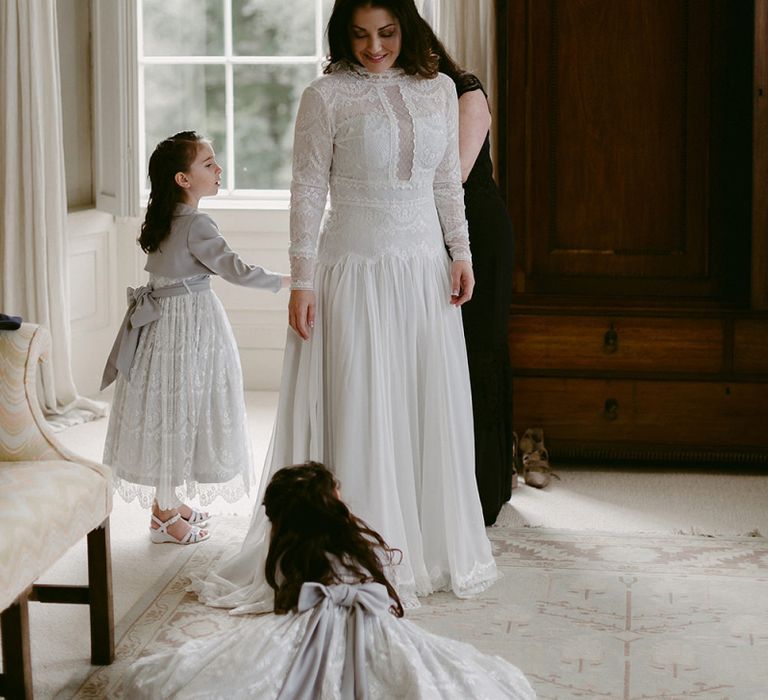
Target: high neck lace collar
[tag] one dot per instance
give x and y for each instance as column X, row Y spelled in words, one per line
column 389, row 75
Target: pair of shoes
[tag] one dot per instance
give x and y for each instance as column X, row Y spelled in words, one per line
column 197, row 517
column 515, row 461
column 160, row 534
column 535, row 458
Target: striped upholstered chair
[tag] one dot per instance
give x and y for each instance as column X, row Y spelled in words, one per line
column 49, row 500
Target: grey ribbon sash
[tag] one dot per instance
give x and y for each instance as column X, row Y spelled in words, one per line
column 143, row 309
column 305, row 676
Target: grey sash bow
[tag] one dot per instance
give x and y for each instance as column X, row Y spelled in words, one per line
column 143, row 309
column 305, row 676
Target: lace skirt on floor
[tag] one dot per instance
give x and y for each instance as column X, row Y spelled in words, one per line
column 253, row 659
column 177, row 428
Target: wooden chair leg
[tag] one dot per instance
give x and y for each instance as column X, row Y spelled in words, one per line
column 100, row 589
column 16, row 679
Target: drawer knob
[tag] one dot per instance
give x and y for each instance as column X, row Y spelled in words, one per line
column 610, row 341
column 611, row 409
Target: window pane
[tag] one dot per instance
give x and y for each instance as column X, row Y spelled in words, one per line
column 182, row 98
column 266, row 99
column 273, row 27
column 183, row 27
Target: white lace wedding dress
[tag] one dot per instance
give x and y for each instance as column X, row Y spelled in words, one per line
column 380, row 393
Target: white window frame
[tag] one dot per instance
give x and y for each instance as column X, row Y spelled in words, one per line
column 120, row 141
column 115, row 115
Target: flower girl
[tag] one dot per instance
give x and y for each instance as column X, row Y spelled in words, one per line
column 177, row 428
column 337, row 630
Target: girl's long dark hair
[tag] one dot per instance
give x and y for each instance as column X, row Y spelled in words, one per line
column 174, row 155
column 311, row 527
column 416, row 56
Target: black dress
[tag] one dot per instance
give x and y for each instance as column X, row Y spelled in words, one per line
column 485, row 327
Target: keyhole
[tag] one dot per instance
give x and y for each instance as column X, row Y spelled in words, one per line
column 611, row 409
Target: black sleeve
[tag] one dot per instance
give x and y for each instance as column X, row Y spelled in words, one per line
column 467, row 82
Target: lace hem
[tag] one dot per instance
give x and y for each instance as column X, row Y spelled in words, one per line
column 483, row 576
column 203, row 493
column 480, row 579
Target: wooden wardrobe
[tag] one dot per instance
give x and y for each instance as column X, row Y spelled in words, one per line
column 633, row 155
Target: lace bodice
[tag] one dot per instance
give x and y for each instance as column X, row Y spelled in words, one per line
column 386, row 145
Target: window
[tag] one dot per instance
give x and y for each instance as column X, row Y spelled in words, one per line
column 233, row 70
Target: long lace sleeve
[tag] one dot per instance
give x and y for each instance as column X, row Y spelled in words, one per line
column 449, row 194
column 312, row 153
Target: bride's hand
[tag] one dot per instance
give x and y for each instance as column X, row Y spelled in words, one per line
column 301, row 311
column 462, row 282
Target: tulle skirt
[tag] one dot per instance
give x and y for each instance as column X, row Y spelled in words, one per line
column 380, row 393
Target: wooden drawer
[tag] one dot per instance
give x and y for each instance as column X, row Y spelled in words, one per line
column 750, row 346
column 594, row 343
column 701, row 414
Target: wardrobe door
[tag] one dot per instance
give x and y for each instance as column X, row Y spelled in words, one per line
column 618, row 122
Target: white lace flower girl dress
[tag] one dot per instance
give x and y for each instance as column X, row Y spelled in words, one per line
column 177, row 427
column 342, row 644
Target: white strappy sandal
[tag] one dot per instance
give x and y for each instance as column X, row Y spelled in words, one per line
column 160, row 534
column 197, row 517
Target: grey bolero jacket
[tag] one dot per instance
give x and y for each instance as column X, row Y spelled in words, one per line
column 195, row 246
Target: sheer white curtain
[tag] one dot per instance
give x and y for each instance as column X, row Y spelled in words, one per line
column 33, row 209
column 467, row 29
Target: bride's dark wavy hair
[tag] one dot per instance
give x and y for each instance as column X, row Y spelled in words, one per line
column 312, row 527
column 173, row 155
column 416, row 55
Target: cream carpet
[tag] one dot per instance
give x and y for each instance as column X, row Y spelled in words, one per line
column 544, row 615
column 583, row 615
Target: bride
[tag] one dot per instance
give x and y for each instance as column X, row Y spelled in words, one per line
column 375, row 380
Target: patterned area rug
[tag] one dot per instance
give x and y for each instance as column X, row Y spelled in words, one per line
column 583, row 614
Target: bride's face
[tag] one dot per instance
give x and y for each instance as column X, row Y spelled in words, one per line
column 375, row 37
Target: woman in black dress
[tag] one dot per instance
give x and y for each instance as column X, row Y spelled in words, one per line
column 485, row 318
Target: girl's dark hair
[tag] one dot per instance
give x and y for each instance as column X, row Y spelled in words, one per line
column 174, row 155
column 311, row 527
column 416, row 56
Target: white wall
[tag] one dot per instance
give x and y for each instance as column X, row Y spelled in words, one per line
column 104, row 259
column 94, row 308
